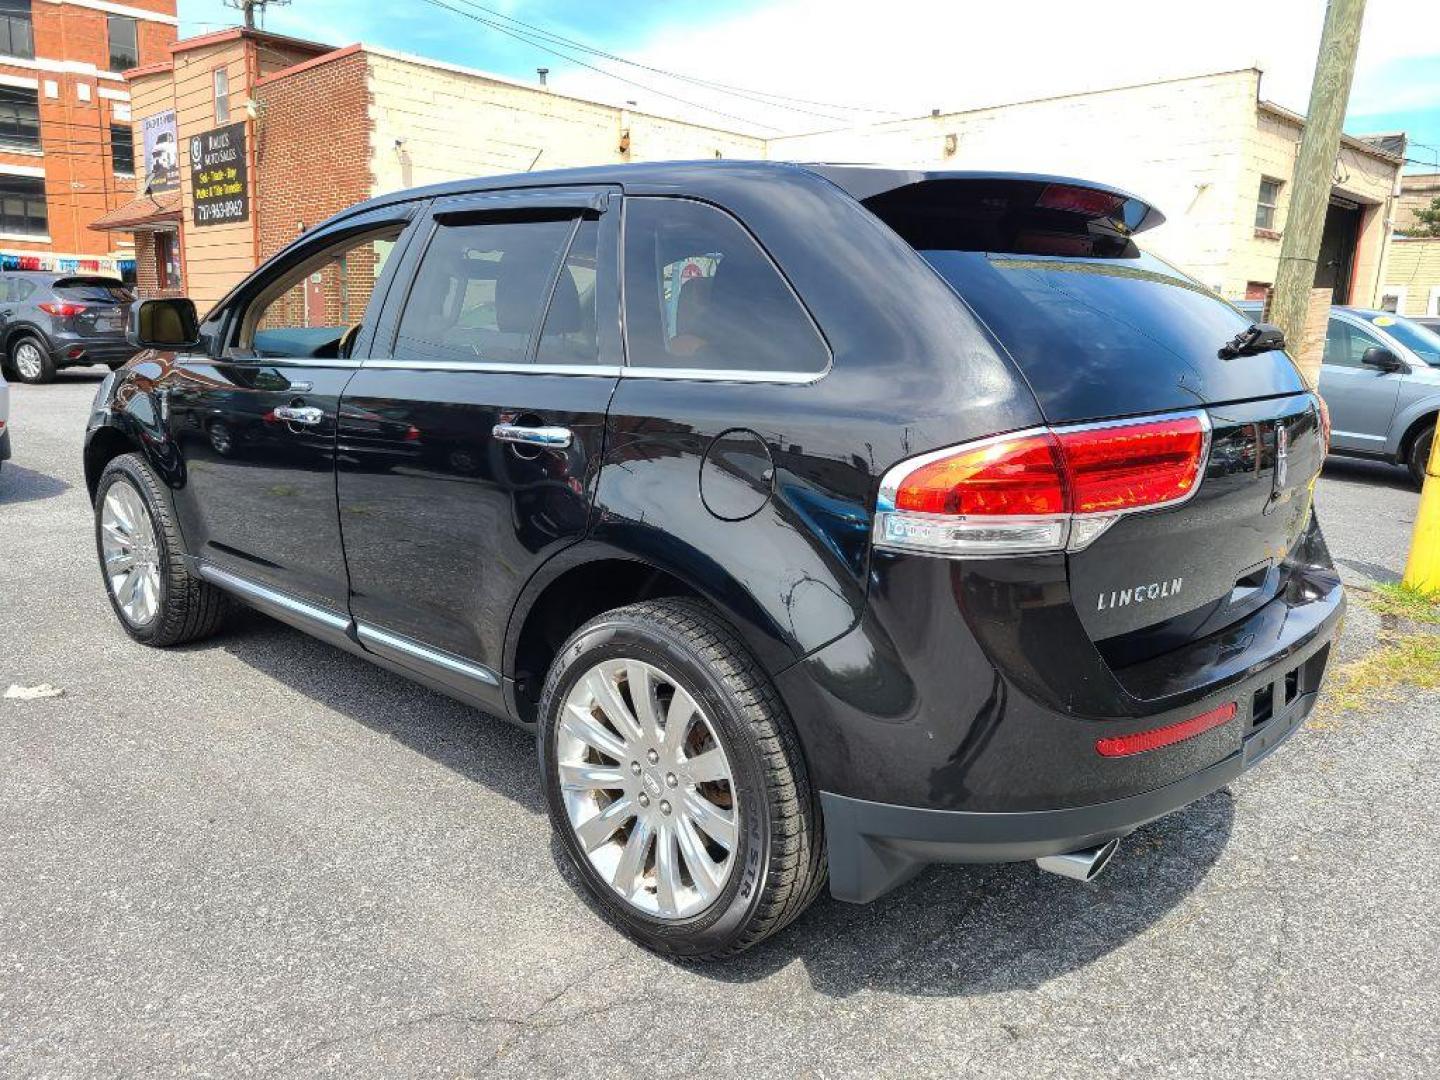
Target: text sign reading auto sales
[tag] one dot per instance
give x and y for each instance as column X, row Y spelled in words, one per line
column 218, row 177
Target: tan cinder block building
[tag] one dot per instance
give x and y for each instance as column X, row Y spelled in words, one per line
column 1207, row 150
column 1412, row 276
column 322, row 128
column 1417, row 192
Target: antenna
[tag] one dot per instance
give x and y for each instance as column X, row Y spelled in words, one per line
column 250, row 7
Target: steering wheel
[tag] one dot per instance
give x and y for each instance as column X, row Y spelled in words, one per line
column 347, row 340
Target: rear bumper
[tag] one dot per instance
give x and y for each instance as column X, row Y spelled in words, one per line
column 874, row 847
column 92, row 351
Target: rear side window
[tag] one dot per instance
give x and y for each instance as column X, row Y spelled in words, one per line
column 700, row 294
column 95, row 290
column 480, row 291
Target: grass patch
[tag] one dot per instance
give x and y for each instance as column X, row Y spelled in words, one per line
column 1401, row 663
column 1402, row 602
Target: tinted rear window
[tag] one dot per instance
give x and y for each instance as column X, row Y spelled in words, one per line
column 1099, row 327
column 98, row 290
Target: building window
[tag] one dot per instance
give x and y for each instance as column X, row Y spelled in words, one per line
column 222, row 96
column 167, row 260
column 22, row 206
column 122, row 149
column 1266, row 205
column 19, row 118
column 124, row 45
column 17, row 32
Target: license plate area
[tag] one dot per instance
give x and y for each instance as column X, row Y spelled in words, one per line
column 1278, row 706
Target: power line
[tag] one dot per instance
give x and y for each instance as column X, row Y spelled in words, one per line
column 761, row 96
column 553, row 51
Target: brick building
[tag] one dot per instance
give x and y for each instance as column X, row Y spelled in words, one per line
column 65, row 115
column 196, row 228
column 315, row 129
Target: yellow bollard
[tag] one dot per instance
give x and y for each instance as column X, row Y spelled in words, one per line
column 1422, row 569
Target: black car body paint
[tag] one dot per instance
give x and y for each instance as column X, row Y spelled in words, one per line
column 947, row 708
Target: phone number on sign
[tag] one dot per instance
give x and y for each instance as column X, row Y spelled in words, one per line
column 220, row 211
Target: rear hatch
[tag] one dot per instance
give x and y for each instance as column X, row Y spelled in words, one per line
column 102, row 303
column 1102, row 330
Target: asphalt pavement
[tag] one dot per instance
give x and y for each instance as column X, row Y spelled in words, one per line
column 260, row 856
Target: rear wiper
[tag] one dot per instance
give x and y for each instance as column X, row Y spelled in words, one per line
column 1260, row 337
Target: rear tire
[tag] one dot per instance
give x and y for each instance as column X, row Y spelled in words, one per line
column 31, row 361
column 157, row 599
column 1420, row 455
column 775, row 865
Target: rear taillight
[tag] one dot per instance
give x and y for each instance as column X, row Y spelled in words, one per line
column 1142, row 741
column 1047, row 489
column 61, row 309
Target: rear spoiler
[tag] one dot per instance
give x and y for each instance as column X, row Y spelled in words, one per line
column 1025, row 198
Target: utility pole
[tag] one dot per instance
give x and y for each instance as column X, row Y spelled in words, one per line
column 1319, row 147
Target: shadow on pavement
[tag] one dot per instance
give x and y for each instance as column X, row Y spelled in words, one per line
column 481, row 748
column 1359, row 470
column 19, row 484
column 968, row 930
column 952, row 931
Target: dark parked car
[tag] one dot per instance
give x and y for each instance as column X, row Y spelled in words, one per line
column 814, row 518
column 1380, row 378
column 53, row 321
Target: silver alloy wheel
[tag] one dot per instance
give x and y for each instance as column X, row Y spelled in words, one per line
column 131, row 553
column 648, row 788
column 29, row 362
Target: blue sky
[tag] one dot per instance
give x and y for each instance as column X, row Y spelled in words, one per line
column 924, row 54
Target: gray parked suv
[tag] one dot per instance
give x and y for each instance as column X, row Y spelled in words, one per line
column 1381, row 381
column 50, row 321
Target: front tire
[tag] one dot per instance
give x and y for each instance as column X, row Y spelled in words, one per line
column 675, row 782
column 156, row 598
column 1420, row 456
column 31, row 362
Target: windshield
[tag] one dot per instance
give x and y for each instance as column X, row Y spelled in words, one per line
column 1422, row 342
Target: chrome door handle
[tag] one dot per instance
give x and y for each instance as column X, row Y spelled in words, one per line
column 552, row 438
column 299, row 414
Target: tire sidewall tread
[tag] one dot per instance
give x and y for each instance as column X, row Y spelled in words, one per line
column 780, row 850
column 188, row 608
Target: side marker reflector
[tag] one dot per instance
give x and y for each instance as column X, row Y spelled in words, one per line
column 1144, row 741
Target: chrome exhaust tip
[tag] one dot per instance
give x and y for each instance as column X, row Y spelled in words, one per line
column 1084, row 865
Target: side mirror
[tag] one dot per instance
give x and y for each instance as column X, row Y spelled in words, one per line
column 1377, row 356
column 163, row 324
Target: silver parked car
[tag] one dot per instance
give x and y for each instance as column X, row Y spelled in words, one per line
column 1381, row 381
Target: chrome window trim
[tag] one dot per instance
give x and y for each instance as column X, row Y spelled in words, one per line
column 788, row 378
column 245, row 587
column 610, row 370
column 288, row 361
column 434, row 657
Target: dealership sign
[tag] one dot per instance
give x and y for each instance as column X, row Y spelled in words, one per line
column 218, row 175
column 162, row 152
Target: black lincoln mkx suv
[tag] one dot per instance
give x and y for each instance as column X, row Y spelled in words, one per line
column 816, row 519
